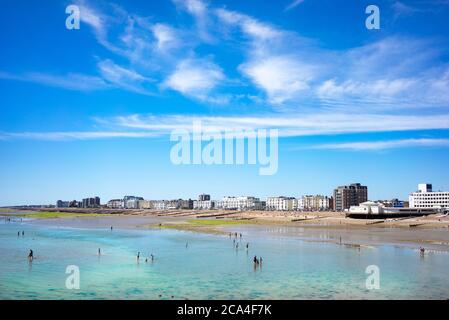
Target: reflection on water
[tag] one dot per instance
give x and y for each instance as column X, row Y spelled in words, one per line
column 184, row 265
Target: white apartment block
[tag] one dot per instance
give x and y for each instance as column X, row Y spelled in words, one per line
column 159, row 204
column 280, row 203
column 315, row 203
column 298, row 204
column 144, row 204
column 116, row 204
column 203, row 204
column 426, row 198
column 241, row 203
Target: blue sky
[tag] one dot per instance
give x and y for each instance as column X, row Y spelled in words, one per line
column 89, row 112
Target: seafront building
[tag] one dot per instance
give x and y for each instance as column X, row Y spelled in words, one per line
column 426, row 198
column 91, row 202
column 377, row 210
column 347, row 196
column 316, row 203
column 280, row 203
column 203, row 204
column 241, row 203
column 85, row 203
column 131, row 202
column 144, row 204
column 116, row 204
column 62, row 204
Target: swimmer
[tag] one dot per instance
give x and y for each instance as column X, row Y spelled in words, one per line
column 31, row 255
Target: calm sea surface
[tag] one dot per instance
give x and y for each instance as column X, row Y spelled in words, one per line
column 209, row 267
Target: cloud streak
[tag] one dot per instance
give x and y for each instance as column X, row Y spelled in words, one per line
column 293, row 4
column 383, row 145
column 148, row 126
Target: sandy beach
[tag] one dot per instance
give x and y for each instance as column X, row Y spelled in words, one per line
column 431, row 232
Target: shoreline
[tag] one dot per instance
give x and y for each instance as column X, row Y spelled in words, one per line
column 327, row 218
column 312, row 226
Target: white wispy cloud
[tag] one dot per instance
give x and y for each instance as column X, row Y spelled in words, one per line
column 282, row 77
column 195, row 78
column 272, row 64
column 70, row 81
column 293, row 4
column 200, row 11
column 73, row 135
column 110, row 76
column 288, row 125
column 250, row 26
column 122, row 77
column 147, row 126
column 166, row 37
column 382, row 145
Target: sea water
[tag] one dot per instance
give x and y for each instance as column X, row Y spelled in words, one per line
column 190, row 265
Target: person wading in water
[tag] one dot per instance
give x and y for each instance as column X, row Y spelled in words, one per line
column 31, row 255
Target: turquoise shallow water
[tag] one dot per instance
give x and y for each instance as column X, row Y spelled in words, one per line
column 209, row 268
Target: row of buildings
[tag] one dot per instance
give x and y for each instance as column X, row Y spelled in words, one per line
column 343, row 199
column 84, row 203
column 204, row 202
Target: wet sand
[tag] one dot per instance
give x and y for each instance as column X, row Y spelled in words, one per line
column 431, row 232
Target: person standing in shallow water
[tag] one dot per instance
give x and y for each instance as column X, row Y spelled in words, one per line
column 99, row 251
column 256, row 261
column 31, row 255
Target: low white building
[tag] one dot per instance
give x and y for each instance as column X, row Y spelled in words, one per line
column 203, row 204
column 314, row 203
column 159, row 204
column 280, row 203
column 144, row 204
column 426, row 198
column 116, row 204
column 241, row 203
column 367, row 207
